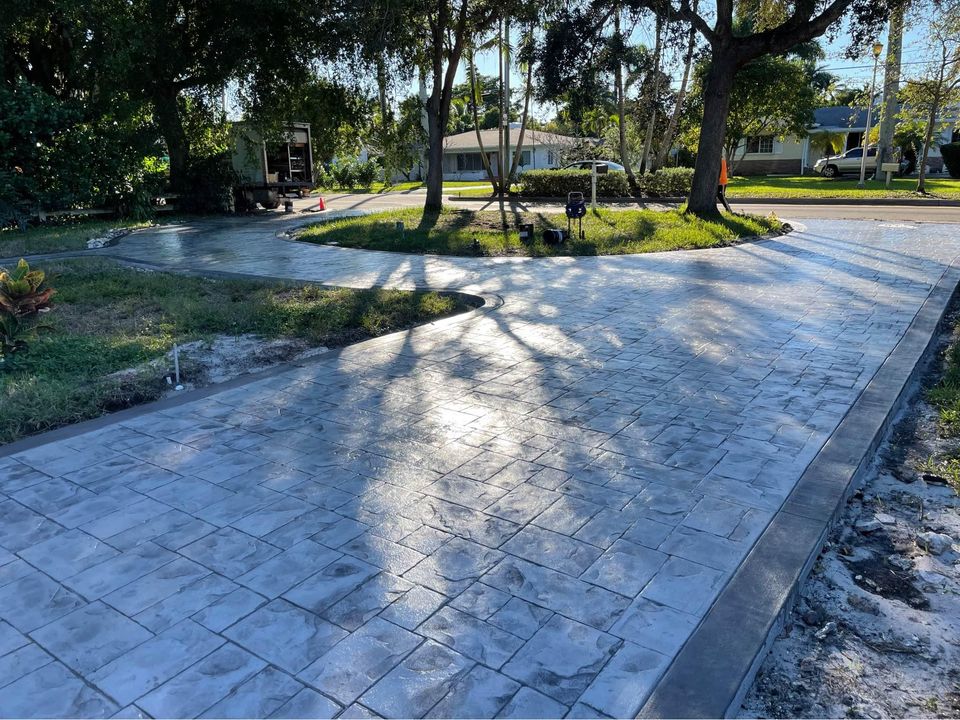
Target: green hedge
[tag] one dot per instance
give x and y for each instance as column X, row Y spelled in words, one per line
column 557, row 183
column 951, row 158
column 667, row 182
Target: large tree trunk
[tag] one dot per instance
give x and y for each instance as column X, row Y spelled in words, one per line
column 438, row 107
column 671, row 131
column 716, row 106
column 166, row 109
column 436, row 122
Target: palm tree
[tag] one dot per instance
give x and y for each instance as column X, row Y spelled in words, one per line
column 827, row 142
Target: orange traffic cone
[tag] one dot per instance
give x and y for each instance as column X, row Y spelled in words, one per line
column 320, row 204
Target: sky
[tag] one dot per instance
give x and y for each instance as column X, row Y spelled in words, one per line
column 854, row 73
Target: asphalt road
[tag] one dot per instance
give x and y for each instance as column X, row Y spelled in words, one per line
column 853, row 211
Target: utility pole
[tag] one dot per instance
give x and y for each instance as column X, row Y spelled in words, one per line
column 891, row 85
column 508, row 149
column 500, row 151
column 877, row 49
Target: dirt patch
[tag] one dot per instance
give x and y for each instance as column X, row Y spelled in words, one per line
column 876, row 632
column 209, row 362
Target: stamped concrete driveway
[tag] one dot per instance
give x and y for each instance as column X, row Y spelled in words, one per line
column 521, row 513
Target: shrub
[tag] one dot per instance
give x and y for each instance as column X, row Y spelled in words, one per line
column 366, row 173
column 668, row 182
column 208, row 186
column 951, row 158
column 322, row 178
column 22, row 298
column 344, row 174
column 557, row 183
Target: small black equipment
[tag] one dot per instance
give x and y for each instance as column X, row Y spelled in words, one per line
column 526, row 233
column 576, row 209
column 555, row 237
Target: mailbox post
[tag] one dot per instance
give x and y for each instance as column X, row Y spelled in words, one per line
column 596, row 168
column 889, row 169
column 593, row 186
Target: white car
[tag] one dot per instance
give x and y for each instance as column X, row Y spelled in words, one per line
column 602, row 166
column 849, row 162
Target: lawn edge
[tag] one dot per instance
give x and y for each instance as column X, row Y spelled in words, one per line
column 482, row 303
column 713, row 671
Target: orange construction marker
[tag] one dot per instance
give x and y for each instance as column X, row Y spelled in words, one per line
column 320, row 204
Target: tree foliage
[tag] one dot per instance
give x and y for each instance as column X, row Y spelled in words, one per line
column 774, row 26
column 771, row 95
column 936, row 85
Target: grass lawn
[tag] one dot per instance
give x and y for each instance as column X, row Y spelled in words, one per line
column 60, row 237
column 945, row 397
column 107, row 318
column 608, row 232
column 845, row 187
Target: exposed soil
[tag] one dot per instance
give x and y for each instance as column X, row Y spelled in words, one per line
column 208, row 362
column 876, row 632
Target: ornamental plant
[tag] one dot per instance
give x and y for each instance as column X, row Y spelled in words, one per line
column 23, row 298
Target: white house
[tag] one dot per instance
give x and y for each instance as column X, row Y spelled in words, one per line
column 462, row 159
column 769, row 155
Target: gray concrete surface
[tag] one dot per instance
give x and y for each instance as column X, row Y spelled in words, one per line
column 525, row 512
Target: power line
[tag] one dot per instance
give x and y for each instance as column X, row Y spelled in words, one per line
column 870, row 67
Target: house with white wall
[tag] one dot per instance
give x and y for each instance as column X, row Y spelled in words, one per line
column 769, row 155
column 540, row 150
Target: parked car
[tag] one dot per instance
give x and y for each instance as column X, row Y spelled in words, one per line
column 588, row 165
column 849, row 162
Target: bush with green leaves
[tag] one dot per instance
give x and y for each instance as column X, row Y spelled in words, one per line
column 667, row 182
column 951, row 158
column 322, row 178
column 57, row 153
column 23, row 297
column 367, row 173
column 558, row 183
column 348, row 174
column 344, row 174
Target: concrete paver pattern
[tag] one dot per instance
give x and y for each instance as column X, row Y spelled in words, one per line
column 521, row 513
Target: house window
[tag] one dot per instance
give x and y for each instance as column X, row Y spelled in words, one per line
column 469, row 162
column 524, row 158
column 551, row 158
column 760, row 144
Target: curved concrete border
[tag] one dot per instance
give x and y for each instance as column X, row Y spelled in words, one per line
column 715, row 668
column 483, row 304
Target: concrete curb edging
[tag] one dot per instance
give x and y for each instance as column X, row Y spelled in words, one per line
column 483, row 304
column 713, row 671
